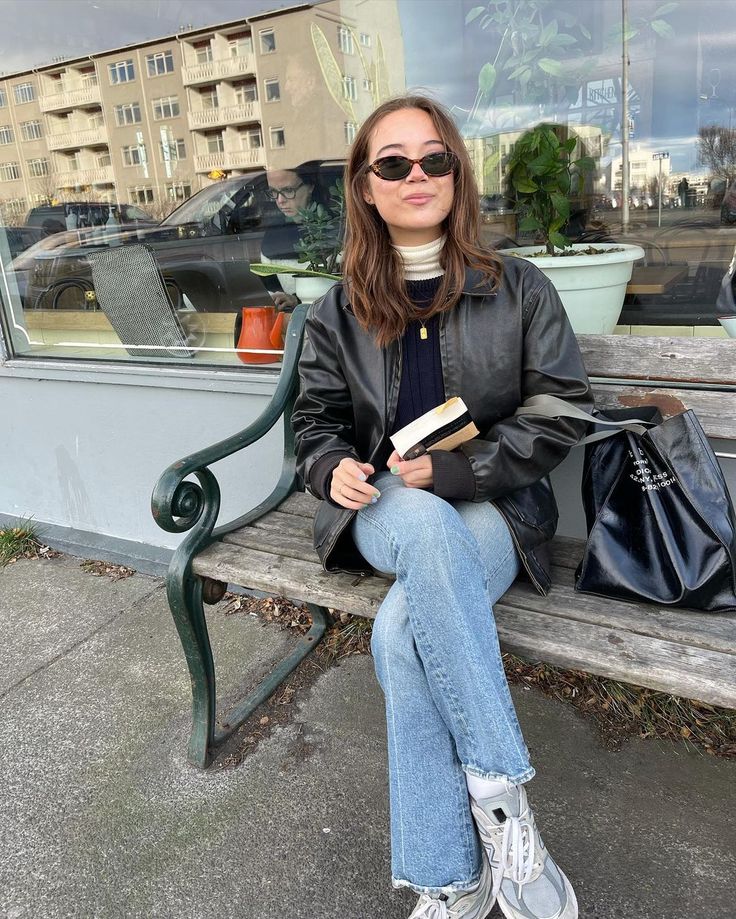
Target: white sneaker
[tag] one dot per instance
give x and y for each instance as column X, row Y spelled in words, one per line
column 465, row 904
column 526, row 880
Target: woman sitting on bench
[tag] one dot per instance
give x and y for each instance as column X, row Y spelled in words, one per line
column 426, row 313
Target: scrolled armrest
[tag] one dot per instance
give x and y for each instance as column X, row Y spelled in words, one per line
column 177, row 504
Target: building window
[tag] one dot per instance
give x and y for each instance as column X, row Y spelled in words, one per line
column 159, row 63
column 38, row 168
column 14, row 207
column 6, row 134
column 142, row 194
column 24, row 92
column 9, row 172
column 268, row 41
column 129, row 113
column 135, row 155
column 96, row 120
column 172, row 150
column 121, row 72
column 31, row 130
column 209, row 98
column 278, row 138
column 203, row 52
column 3, row 99
column 89, row 77
column 252, row 139
column 178, row 191
column 166, row 107
column 368, row 86
column 215, row 142
column 103, row 159
column 246, row 92
column 273, row 91
column 365, row 39
column 345, row 40
column 351, row 129
column 350, row 88
column 240, row 45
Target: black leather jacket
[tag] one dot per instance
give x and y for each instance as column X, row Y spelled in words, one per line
column 498, row 348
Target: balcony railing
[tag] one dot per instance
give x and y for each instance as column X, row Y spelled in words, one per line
column 101, row 175
column 223, row 69
column 230, row 159
column 231, row 114
column 91, row 137
column 72, row 98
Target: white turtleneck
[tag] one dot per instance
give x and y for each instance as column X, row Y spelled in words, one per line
column 422, row 262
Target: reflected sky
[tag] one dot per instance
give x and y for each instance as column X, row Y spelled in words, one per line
column 33, row 32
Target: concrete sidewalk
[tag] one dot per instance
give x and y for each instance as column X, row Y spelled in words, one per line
column 101, row 816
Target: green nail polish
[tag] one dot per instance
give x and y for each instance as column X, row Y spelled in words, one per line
column 394, row 470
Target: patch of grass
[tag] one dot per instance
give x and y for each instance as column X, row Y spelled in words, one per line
column 19, row 541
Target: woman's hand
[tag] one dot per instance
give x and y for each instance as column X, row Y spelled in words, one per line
column 349, row 487
column 284, row 301
column 416, row 473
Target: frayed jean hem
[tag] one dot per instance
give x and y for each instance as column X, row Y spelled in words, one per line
column 523, row 777
column 398, row 883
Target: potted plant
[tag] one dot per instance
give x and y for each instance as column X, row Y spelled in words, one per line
column 319, row 247
column 591, row 280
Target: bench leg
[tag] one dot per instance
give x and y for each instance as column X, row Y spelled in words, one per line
column 185, row 601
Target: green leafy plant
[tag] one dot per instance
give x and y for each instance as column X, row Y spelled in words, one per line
column 542, row 178
column 320, row 240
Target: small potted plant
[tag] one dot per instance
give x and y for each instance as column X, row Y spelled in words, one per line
column 591, row 280
column 319, row 247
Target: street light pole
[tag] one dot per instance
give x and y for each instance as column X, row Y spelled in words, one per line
column 660, row 156
column 624, row 118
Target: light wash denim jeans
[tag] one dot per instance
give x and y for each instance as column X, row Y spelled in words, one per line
column 448, row 706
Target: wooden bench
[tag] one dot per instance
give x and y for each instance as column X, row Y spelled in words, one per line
column 269, row 549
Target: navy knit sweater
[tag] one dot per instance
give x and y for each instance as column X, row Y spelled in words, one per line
column 421, row 389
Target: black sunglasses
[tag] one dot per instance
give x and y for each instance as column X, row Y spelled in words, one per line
column 393, row 168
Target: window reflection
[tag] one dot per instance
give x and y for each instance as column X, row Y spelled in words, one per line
column 174, row 142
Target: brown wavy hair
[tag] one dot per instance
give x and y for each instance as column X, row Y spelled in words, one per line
column 372, row 268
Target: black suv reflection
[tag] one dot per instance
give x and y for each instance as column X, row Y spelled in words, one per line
column 204, row 249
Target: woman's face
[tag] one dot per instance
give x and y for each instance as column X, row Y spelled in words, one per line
column 413, row 208
column 286, row 181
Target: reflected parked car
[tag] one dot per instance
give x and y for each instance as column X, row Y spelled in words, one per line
column 203, row 248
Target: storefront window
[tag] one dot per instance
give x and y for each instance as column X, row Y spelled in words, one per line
column 211, row 161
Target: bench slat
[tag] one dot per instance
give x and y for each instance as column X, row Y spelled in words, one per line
column 712, row 632
column 293, row 578
column 301, row 504
column 709, row 676
column 716, row 414
column 286, row 524
column 265, row 540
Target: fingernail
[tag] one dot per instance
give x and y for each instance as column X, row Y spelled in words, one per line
column 377, row 493
column 374, row 500
column 362, row 476
column 394, row 470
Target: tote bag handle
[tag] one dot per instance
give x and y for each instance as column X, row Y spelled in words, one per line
column 553, row 407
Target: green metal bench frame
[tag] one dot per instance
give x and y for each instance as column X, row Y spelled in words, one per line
column 179, row 505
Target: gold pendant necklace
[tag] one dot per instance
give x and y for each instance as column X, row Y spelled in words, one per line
column 423, row 331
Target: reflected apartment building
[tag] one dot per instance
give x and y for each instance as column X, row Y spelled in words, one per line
column 153, row 122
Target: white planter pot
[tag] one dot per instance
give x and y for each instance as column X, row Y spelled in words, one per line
column 310, row 289
column 729, row 324
column 592, row 287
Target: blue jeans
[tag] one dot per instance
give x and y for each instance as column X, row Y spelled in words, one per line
column 448, row 706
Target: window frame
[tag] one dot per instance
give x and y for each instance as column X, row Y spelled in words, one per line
column 163, row 116
column 23, row 130
column 7, row 131
column 156, row 56
column 24, row 86
column 127, row 105
column 270, row 81
column 14, row 164
column 140, row 151
column 277, row 129
column 262, row 33
column 113, row 68
column 44, row 172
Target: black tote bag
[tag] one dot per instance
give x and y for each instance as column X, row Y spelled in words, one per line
column 661, row 524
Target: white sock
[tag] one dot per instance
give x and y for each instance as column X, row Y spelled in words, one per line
column 484, row 788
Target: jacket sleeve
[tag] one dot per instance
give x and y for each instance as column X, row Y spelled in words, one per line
column 323, row 417
column 521, row 449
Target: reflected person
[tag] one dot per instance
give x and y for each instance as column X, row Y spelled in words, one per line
column 291, row 190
